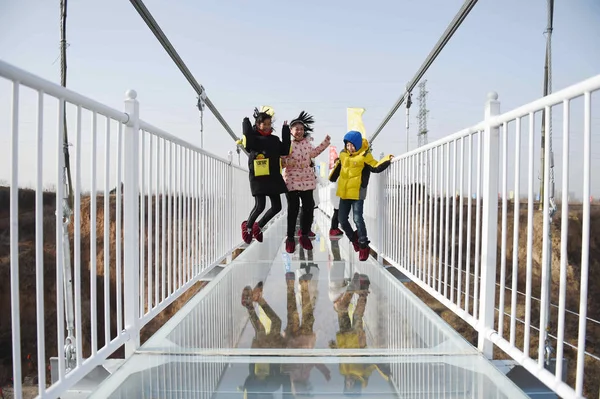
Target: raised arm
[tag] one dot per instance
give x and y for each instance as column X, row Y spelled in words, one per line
column 249, row 139
column 315, row 152
column 286, row 140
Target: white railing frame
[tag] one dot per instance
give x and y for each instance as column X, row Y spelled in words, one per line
column 130, row 130
column 404, row 207
column 131, row 224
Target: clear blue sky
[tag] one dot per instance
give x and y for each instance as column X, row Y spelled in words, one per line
column 315, row 55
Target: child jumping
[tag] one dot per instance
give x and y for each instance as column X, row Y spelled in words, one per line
column 300, row 179
column 353, row 169
column 264, row 162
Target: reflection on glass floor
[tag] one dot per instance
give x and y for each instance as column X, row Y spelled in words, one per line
column 329, row 324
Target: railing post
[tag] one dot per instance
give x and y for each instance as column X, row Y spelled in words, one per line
column 380, row 214
column 131, row 224
column 231, row 236
column 489, row 223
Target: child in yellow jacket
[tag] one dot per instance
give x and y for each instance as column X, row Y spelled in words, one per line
column 353, row 169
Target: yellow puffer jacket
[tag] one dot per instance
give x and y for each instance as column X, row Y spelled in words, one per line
column 353, row 172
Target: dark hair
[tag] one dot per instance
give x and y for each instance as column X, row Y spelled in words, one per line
column 306, row 120
column 260, row 117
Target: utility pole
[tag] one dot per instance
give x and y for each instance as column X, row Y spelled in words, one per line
column 422, row 116
column 408, row 104
column 544, row 345
column 70, row 345
column 547, row 90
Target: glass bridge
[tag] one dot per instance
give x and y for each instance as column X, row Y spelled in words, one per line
column 316, row 323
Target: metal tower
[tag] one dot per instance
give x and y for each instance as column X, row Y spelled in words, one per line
column 422, row 115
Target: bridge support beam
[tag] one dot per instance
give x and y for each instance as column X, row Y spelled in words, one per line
column 489, row 223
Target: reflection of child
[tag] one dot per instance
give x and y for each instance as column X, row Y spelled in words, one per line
column 263, row 378
column 352, row 335
column 300, row 335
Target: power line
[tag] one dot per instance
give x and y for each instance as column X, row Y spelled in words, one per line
column 162, row 38
column 439, row 46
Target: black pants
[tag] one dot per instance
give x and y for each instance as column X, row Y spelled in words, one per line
column 308, row 207
column 335, row 222
column 260, row 201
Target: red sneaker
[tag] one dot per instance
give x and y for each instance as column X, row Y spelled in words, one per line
column 336, row 233
column 290, row 245
column 305, row 243
column 246, row 235
column 257, row 233
column 363, row 252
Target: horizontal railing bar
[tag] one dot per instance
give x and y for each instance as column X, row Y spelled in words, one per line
column 36, row 83
column 167, row 136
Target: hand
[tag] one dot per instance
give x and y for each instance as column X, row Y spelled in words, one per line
column 285, row 123
column 391, row 157
column 328, row 138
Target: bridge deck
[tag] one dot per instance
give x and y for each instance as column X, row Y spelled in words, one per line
column 381, row 341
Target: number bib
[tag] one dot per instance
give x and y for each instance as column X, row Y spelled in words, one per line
column 261, row 167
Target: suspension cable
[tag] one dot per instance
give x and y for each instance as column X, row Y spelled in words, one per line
column 448, row 33
column 162, row 38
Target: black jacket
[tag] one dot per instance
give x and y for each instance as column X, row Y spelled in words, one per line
column 264, row 159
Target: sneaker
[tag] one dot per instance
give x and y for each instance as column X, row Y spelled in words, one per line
column 257, row 292
column 355, row 242
column 311, row 234
column 290, row 245
column 336, row 233
column 247, row 297
column 363, row 252
column 257, row 232
column 246, row 234
column 305, row 243
column 363, row 282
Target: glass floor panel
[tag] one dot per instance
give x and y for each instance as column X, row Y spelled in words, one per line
column 315, row 302
column 271, row 324
column 216, row 377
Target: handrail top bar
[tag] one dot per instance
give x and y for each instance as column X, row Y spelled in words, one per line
column 568, row 93
column 167, row 136
column 36, row 83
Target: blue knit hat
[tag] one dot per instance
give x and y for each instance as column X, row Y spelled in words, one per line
column 355, row 138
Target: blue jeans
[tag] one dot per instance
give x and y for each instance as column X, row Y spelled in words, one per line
column 359, row 221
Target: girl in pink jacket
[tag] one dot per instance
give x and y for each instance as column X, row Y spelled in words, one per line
column 300, row 180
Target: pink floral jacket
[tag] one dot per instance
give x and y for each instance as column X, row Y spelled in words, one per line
column 298, row 174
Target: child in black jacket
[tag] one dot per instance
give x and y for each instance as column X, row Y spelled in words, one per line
column 264, row 162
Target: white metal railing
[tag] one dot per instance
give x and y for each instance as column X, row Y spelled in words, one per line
column 150, row 214
column 450, row 215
